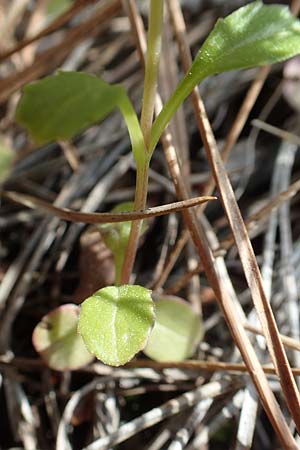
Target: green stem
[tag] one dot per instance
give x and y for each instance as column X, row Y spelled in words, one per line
column 151, row 68
column 134, row 130
column 141, row 190
column 118, row 258
column 184, row 89
column 143, row 161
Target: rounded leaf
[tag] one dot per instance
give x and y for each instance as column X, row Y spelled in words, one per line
column 177, row 330
column 57, row 341
column 116, row 321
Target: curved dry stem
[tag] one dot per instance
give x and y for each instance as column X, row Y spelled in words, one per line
column 96, row 218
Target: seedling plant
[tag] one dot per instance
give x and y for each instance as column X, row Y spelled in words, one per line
column 116, row 322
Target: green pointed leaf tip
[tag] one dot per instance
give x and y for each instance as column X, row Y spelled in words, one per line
column 56, row 339
column 177, row 330
column 60, row 106
column 115, row 322
column 254, row 35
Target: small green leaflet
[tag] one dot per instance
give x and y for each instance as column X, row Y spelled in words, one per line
column 253, row 35
column 177, row 330
column 115, row 322
column 60, row 106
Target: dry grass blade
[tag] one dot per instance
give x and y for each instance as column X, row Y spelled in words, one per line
column 225, row 301
column 267, row 209
column 251, row 268
column 57, row 23
column 247, row 256
column 95, row 218
column 198, row 365
column 158, row 414
column 26, row 364
column 51, row 58
column 231, row 139
column 251, row 224
column 287, row 340
column 70, row 153
column 282, row 134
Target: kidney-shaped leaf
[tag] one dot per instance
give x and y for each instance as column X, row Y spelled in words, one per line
column 62, row 105
column 57, row 341
column 177, row 330
column 115, row 322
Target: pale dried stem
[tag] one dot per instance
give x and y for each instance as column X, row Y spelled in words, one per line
column 198, row 365
column 70, row 153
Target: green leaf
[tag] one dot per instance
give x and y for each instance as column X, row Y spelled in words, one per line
column 177, row 330
column 60, row 106
column 56, row 339
column 116, row 236
column 254, row 35
column 115, row 322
